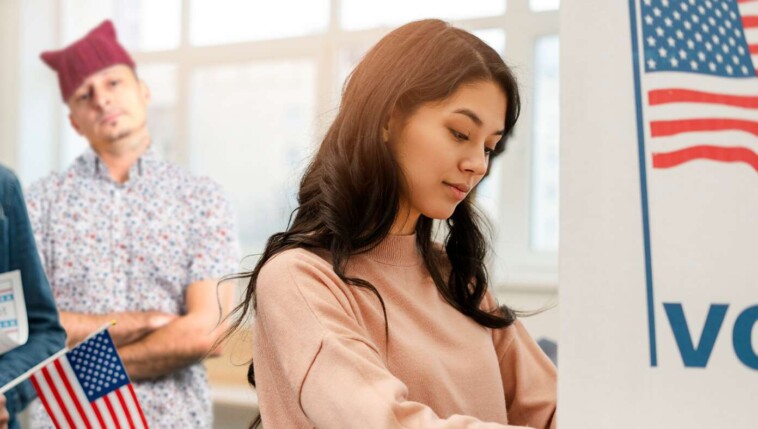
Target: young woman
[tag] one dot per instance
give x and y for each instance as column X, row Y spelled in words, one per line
column 361, row 319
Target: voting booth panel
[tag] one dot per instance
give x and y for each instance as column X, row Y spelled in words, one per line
column 659, row 222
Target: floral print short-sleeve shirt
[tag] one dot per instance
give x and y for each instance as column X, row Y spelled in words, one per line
column 135, row 246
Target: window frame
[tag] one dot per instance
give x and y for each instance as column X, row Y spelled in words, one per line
column 517, row 265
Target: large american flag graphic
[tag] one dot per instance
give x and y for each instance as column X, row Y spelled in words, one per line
column 87, row 387
column 696, row 93
column 699, row 86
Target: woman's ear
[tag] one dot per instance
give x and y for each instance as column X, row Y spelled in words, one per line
column 392, row 124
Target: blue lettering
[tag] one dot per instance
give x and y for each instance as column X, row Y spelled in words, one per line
column 698, row 356
column 742, row 337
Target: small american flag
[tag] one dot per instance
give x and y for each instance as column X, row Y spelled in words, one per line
column 699, row 85
column 87, row 387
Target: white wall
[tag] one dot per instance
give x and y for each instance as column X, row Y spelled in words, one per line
column 9, row 35
column 30, row 108
column 39, row 104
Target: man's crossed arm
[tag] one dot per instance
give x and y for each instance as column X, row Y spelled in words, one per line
column 154, row 343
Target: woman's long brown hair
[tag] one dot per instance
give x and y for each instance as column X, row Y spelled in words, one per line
column 349, row 195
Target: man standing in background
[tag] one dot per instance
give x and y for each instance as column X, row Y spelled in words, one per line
column 125, row 236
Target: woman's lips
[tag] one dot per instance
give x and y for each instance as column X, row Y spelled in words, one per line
column 458, row 190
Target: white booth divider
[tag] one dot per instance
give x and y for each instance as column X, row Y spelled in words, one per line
column 659, row 214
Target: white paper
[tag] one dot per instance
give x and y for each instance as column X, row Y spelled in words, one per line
column 14, row 326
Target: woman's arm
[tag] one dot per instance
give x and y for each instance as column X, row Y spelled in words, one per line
column 313, row 358
column 529, row 377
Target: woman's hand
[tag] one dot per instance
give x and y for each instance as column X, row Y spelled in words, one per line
column 4, row 416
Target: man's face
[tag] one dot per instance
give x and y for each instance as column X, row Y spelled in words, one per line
column 109, row 107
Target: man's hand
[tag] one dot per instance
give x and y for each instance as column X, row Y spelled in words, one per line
column 131, row 326
column 4, row 416
column 187, row 339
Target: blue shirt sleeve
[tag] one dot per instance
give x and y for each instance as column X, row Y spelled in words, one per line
column 19, row 252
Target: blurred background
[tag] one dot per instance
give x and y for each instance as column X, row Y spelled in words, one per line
column 243, row 90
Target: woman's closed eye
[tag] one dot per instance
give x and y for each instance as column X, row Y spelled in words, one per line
column 458, row 135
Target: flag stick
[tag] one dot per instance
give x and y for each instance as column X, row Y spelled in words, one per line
column 21, row 378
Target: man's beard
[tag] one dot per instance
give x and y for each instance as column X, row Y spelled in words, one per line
column 120, row 135
column 125, row 134
column 125, row 140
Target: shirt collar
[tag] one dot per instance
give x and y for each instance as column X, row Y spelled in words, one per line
column 90, row 164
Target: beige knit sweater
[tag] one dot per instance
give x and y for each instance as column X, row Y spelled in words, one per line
column 321, row 358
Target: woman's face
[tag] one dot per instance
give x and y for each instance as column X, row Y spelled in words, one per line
column 443, row 150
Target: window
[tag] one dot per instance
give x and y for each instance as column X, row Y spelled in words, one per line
column 542, row 5
column 545, row 154
column 360, row 14
column 260, row 139
column 161, row 80
column 142, row 25
column 243, row 93
column 214, row 22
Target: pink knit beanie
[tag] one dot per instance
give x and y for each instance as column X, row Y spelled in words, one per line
column 97, row 50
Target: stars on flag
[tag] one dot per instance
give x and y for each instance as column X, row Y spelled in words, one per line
column 700, row 36
column 97, row 366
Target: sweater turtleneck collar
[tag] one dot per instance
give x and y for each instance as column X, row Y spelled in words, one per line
column 398, row 250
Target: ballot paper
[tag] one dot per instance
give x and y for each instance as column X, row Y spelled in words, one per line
column 14, row 326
